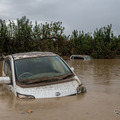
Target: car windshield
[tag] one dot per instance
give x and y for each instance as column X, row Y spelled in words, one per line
column 40, row 69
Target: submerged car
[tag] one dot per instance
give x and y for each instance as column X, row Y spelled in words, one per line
column 39, row 75
column 81, row 57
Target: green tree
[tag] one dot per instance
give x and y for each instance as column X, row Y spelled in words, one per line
column 103, row 43
column 81, row 42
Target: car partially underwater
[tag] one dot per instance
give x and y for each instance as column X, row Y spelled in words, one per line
column 81, row 57
column 33, row 75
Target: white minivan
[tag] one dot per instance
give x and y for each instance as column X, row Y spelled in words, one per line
column 39, row 75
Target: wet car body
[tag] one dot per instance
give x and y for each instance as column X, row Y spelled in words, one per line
column 40, row 75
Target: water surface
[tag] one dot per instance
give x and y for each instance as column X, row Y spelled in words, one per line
column 102, row 80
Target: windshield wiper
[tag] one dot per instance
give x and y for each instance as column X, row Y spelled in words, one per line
column 46, row 79
column 40, row 80
column 67, row 75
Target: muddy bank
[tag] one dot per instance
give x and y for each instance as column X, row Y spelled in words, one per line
column 102, row 80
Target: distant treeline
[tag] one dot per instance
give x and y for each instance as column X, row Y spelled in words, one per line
column 24, row 36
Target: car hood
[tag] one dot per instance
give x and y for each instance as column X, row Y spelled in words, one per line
column 55, row 90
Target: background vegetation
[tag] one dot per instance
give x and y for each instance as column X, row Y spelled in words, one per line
column 24, row 36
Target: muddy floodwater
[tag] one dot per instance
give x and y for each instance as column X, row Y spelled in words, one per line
column 101, row 102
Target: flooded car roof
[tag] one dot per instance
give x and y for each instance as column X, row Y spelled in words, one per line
column 31, row 54
column 84, row 57
column 80, row 55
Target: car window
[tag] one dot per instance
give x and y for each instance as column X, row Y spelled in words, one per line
column 78, row 57
column 36, row 68
column 7, row 68
column 58, row 65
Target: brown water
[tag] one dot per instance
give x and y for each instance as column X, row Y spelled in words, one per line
column 102, row 80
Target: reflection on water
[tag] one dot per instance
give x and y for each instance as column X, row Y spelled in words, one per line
column 102, row 73
column 102, row 80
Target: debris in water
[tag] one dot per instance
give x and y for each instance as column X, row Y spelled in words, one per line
column 117, row 112
column 29, row 111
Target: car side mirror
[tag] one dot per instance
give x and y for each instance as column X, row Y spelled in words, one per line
column 72, row 68
column 5, row 80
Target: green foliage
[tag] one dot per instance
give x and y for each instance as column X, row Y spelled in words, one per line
column 81, row 42
column 103, row 43
column 3, row 35
column 23, row 36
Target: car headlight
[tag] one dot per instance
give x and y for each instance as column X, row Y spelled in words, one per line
column 80, row 89
column 22, row 96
